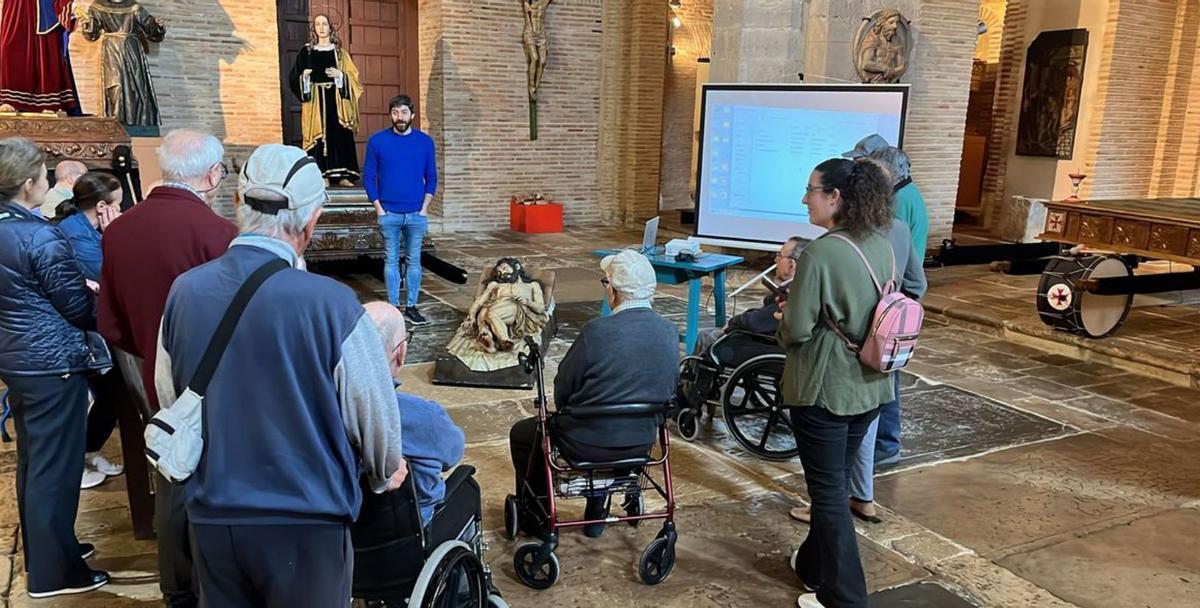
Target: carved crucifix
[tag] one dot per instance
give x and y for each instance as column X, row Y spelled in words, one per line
column 537, row 50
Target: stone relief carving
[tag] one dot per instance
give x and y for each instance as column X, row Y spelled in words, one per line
column 882, row 47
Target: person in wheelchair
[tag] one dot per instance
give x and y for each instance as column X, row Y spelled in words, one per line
column 631, row 356
column 734, row 343
column 432, row 443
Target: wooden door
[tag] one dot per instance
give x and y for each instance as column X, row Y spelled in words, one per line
column 293, row 34
column 381, row 36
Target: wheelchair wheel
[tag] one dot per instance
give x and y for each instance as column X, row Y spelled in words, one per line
column 511, row 515
column 452, row 574
column 657, row 561
column 687, row 422
column 754, row 412
column 495, row 601
column 535, row 578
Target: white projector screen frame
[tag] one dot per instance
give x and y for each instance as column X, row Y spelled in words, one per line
column 705, row 230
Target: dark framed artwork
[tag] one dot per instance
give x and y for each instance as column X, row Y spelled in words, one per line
column 1051, row 92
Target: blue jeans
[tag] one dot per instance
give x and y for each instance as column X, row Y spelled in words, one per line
column 887, row 443
column 402, row 231
column 862, row 470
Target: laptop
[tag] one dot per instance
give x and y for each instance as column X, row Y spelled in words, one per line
column 650, row 237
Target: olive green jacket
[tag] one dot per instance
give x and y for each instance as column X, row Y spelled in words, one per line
column 820, row 370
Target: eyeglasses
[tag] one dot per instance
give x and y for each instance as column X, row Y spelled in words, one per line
column 403, row 342
column 605, row 282
column 811, row 189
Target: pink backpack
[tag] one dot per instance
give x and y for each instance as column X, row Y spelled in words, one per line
column 892, row 336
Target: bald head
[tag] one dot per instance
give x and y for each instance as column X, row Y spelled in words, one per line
column 66, row 172
column 390, row 323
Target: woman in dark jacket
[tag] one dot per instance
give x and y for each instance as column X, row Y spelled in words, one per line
column 45, row 306
column 95, row 201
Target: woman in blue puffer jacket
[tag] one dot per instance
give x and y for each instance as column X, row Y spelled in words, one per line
column 45, row 308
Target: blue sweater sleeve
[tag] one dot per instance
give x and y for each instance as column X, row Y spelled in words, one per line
column 371, row 171
column 431, row 172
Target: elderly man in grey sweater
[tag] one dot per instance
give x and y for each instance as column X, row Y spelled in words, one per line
column 631, row 356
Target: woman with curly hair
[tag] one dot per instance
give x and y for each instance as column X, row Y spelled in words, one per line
column 832, row 397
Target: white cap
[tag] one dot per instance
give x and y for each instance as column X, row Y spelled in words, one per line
column 285, row 171
column 630, row 273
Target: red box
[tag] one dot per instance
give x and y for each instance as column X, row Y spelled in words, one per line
column 535, row 219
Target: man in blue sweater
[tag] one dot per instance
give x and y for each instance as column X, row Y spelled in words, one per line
column 299, row 408
column 432, row 442
column 400, row 176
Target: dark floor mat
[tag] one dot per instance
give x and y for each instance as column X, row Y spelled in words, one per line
column 918, row 595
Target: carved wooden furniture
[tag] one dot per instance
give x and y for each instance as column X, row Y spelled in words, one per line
column 348, row 228
column 1165, row 229
column 90, row 140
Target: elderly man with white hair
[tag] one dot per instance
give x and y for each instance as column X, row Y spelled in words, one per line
column 173, row 230
column 66, row 173
column 631, row 356
column 302, row 398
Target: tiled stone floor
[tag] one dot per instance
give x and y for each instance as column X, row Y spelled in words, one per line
column 1030, row 478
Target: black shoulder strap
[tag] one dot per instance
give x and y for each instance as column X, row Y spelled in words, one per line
column 224, row 333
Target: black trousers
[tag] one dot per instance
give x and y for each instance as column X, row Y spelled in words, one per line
column 50, row 413
column 176, row 573
column 829, row 554
column 273, row 566
column 108, row 390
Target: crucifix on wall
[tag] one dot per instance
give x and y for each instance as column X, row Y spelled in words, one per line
column 537, row 49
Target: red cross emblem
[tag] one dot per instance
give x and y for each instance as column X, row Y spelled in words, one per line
column 1056, row 222
column 1059, row 297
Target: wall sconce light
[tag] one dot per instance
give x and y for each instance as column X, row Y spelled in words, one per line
column 676, row 22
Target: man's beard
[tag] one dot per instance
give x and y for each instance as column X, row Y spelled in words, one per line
column 401, row 125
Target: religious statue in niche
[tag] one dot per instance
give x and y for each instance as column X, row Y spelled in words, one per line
column 125, row 30
column 882, row 47
column 328, row 85
column 1051, row 93
column 35, row 33
column 511, row 306
column 537, row 51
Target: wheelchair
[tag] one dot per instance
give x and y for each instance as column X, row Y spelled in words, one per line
column 400, row 563
column 748, row 394
column 535, row 563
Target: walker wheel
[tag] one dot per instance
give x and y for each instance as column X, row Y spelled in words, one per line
column 511, row 515
column 688, row 423
column 539, row 578
column 657, row 561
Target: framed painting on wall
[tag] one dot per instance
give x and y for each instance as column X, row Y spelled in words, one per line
column 1051, row 93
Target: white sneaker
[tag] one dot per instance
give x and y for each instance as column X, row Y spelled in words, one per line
column 809, row 600
column 91, row 478
column 100, row 463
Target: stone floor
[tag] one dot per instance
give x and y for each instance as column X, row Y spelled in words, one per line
column 1030, row 478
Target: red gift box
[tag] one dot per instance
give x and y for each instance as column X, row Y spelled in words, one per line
column 535, row 219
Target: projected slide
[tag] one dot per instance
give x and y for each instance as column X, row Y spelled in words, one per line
column 759, row 146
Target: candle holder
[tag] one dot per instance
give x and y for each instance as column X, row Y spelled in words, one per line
column 1076, row 180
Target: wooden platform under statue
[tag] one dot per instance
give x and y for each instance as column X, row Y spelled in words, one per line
column 88, row 139
column 1164, row 228
column 348, row 228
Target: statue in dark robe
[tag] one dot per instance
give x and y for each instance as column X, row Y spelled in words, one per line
column 35, row 33
column 326, row 81
column 125, row 30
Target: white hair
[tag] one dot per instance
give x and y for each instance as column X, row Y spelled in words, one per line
column 895, row 161
column 288, row 222
column 187, row 154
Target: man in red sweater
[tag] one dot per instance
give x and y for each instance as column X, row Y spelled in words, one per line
column 172, row 231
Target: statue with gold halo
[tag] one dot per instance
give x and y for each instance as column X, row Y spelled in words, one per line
column 510, row 307
column 327, row 83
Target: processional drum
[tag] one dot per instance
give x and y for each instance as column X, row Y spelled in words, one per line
column 1063, row 303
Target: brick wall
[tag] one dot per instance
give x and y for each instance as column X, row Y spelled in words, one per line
column 1004, row 109
column 1176, row 153
column 473, row 71
column 691, row 41
column 1131, row 96
column 633, row 55
column 756, row 41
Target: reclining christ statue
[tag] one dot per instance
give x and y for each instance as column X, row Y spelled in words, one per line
column 510, row 307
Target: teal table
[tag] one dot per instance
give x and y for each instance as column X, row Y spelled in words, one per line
column 670, row 272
